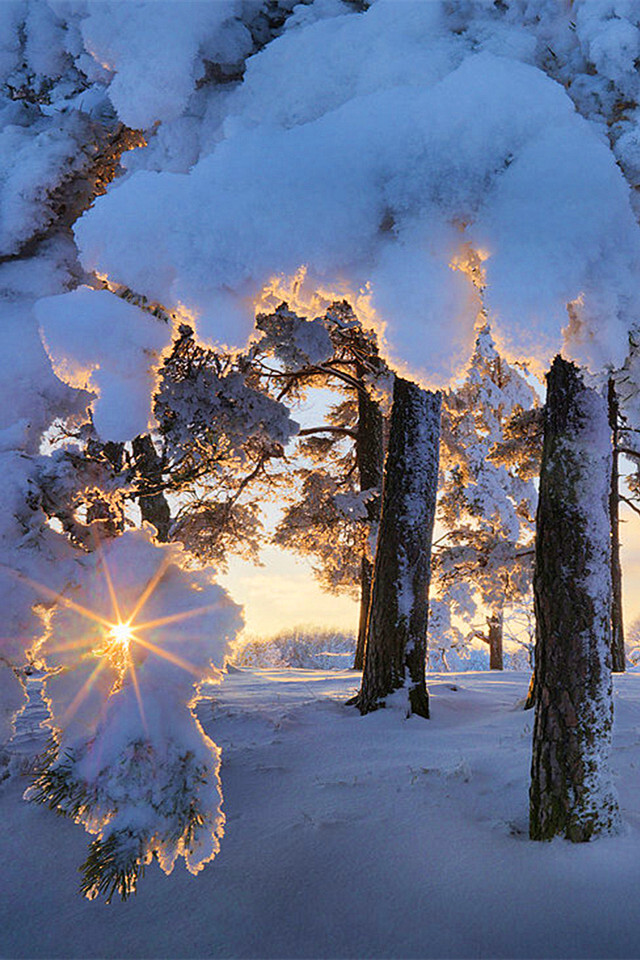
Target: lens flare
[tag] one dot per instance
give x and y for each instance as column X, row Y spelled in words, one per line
column 119, row 636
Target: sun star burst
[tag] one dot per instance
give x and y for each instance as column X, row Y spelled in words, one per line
column 118, row 635
column 122, row 634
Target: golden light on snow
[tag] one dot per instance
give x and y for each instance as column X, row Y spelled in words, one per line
column 310, row 298
column 307, row 296
column 470, row 261
column 70, row 370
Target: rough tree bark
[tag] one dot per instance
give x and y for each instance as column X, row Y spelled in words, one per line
column 617, row 622
column 370, row 460
column 396, row 638
column 571, row 793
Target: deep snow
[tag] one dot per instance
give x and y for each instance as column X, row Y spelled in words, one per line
column 350, row 837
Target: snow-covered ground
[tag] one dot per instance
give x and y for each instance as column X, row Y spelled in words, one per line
column 350, row 837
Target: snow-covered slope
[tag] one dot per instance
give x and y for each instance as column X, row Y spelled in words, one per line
column 351, row 836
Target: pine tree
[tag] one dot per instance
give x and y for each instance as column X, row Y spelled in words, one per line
column 490, row 455
column 336, row 474
column 128, row 757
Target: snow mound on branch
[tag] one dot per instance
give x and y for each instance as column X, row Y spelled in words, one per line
column 31, row 396
column 35, row 160
column 12, row 699
column 155, row 51
column 131, row 578
column 288, row 83
column 384, row 191
column 98, row 342
column 610, row 40
column 10, row 18
column 35, row 564
column 132, row 762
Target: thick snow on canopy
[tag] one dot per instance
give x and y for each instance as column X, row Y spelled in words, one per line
column 148, row 58
column 383, row 175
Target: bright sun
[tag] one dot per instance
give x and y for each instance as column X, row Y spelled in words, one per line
column 121, row 633
column 118, row 636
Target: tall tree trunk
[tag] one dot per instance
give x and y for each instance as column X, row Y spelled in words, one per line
column 397, row 634
column 617, row 622
column 495, row 623
column 571, row 793
column 370, row 460
column 153, row 505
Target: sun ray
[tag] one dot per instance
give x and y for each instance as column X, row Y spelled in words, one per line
column 136, row 687
column 58, row 597
column 176, row 617
column 83, row 692
column 150, row 587
column 171, row 657
column 111, row 646
column 71, row 604
column 87, row 643
column 107, row 574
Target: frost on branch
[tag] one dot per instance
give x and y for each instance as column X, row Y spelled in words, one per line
column 219, row 430
column 128, row 645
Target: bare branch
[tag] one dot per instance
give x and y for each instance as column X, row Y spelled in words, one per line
column 628, row 452
column 631, row 504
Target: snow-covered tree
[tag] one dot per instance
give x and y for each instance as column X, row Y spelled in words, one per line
column 128, row 642
column 592, row 50
column 66, row 118
column 632, row 642
column 212, row 435
column 336, row 469
column 488, row 498
column 379, row 144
